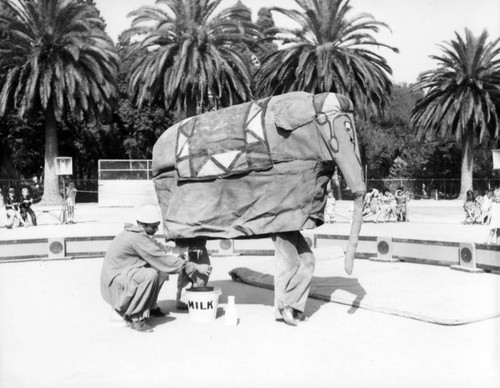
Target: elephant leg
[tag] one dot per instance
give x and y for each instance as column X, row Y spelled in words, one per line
column 197, row 280
column 294, row 262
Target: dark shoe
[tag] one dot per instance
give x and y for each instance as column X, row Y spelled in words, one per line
column 141, row 326
column 288, row 316
column 299, row 316
column 157, row 313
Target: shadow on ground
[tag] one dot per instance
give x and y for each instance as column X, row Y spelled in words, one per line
column 322, row 289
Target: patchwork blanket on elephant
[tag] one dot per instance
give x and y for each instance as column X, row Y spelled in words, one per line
column 222, row 143
column 255, row 168
column 289, row 196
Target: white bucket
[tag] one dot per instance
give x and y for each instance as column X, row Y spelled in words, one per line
column 203, row 303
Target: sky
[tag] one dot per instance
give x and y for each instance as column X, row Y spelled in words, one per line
column 417, row 26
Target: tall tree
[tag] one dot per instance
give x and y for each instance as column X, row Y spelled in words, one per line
column 56, row 59
column 139, row 127
column 330, row 51
column 192, row 56
column 462, row 96
column 266, row 25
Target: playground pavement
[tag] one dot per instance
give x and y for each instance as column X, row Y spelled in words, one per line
column 56, row 331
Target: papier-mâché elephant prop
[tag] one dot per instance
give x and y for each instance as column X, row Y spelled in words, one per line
column 258, row 168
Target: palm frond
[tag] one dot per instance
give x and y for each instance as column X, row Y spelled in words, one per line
column 462, row 94
column 338, row 48
column 56, row 44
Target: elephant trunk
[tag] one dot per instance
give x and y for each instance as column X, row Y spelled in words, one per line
column 357, row 220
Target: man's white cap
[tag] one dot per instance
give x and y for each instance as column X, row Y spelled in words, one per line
column 148, row 214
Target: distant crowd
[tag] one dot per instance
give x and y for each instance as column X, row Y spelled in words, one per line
column 479, row 209
column 377, row 207
column 386, row 206
column 484, row 210
column 16, row 211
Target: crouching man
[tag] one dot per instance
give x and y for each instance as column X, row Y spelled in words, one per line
column 135, row 267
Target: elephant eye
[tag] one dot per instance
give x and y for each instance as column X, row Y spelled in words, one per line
column 348, row 128
column 321, row 118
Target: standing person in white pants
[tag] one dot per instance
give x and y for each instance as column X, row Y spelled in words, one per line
column 494, row 235
column 295, row 264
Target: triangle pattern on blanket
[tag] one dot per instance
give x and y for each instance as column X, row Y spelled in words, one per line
column 222, row 143
column 183, row 146
column 210, row 168
column 255, row 128
column 226, row 159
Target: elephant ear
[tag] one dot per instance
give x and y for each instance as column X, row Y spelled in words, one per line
column 293, row 110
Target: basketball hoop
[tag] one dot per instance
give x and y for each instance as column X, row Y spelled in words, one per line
column 64, row 165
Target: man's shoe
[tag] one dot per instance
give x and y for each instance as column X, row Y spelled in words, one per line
column 141, row 326
column 157, row 313
column 299, row 316
column 288, row 316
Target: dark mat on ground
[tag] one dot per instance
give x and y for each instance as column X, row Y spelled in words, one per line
column 426, row 293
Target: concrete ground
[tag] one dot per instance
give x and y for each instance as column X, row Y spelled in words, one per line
column 56, row 331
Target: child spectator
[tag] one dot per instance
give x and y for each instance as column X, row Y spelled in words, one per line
column 401, row 203
column 472, row 209
column 3, row 212
column 387, row 207
column 486, row 207
column 371, row 205
column 330, row 207
column 70, row 202
column 25, row 206
column 12, row 208
column 494, row 235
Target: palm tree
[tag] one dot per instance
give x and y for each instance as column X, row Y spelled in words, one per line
column 331, row 51
column 462, row 96
column 56, row 59
column 191, row 57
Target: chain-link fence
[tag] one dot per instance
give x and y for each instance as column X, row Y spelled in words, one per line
column 433, row 188
column 418, row 188
column 113, row 169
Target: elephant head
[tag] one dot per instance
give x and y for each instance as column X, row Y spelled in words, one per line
column 332, row 116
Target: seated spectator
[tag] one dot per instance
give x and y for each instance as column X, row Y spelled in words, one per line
column 485, row 205
column 25, row 207
column 330, row 208
column 401, row 202
column 494, row 235
column 12, row 206
column 472, row 209
column 387, row 211
column 3, row 211
column 371, row 205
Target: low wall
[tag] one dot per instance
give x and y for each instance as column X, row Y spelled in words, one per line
column 444, row 253
column 124, row 193
column 486, row 257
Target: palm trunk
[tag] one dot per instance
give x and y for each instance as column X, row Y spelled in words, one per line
column 51, row 194
column 191, row 108
column 467, row 163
